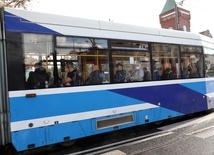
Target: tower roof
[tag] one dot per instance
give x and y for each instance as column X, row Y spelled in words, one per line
column 169, row 5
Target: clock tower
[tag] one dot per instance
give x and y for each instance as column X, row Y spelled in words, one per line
column 175, row 17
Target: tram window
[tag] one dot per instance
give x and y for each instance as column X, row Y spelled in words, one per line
column 209, row 62
column 165, row 62
column 129, row 45
column 130, row 54
column 84, row 53
column 191, row 62
column 129, row 59
column 81, row 43
column 191, row 49
column 15, row 57
column 38, row 48
column 23, row 51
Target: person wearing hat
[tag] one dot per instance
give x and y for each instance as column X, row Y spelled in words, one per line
column 120, row 75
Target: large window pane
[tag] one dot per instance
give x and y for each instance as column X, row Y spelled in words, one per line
column 191, row 62
column 129, row 45
column 191, row 49
column 130, row 61
column 89, row 58
column 209, row 62
column 77, row 43
column 38, row 49
column 15, row 58
column 165, row 61
column 191, row 66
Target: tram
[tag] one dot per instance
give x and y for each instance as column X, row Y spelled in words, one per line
column 33, row 117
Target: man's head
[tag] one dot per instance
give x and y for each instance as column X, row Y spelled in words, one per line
column 144, row 69
column 37, row 65
column 69, row 64
column 94, row 67
column 119, row 66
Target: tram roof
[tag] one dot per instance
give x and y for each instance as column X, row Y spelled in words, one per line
column 65, row 25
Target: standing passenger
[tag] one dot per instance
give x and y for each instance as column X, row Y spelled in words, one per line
column 147, row 75
column 38, row 77
column 69, row 74
column 157, row 73
column 168, row 74
column 95, row 76
column 137, row 74
column 120, row 75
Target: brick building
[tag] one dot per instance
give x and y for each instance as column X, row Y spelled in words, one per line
column 174, row 17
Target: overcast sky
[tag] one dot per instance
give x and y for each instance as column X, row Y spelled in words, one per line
column 134, row 12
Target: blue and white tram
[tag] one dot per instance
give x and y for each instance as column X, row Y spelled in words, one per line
column 32, row 118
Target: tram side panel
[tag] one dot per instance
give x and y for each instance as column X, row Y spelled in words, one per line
column 48, row 119
column 210, row 93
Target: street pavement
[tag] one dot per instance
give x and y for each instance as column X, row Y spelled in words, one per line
column 191, row 137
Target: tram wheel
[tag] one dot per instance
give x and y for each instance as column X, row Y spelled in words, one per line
column 68, row 143
column 158, row 122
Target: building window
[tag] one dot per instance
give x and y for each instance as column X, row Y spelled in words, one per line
column 184, row 28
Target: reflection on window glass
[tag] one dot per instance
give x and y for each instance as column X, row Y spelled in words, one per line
column 191, row 49
column 81, row 43
column 165, row 62
column 209, row 62
column 191, row 62
column 128, row 45
column 37, row 51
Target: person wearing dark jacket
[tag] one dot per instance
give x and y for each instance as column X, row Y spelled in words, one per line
column 37, row 78
column 95, row 76
column 147, row 76
column 120, row 75
column 168, row 74
column 70, row 74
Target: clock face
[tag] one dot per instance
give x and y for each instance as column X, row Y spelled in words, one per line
column 184, row 27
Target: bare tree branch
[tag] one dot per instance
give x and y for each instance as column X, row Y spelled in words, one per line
column 14, row 3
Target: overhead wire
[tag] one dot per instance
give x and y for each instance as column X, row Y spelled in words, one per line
column 198, row 8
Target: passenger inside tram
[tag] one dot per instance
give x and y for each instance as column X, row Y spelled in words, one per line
column 137, row 74
column 147, row 76
column 95, row 76
column 69, row 74
column 120, row 75
column 168, row 74
column 157, row 72
column 195, row 67
column 38, row 78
